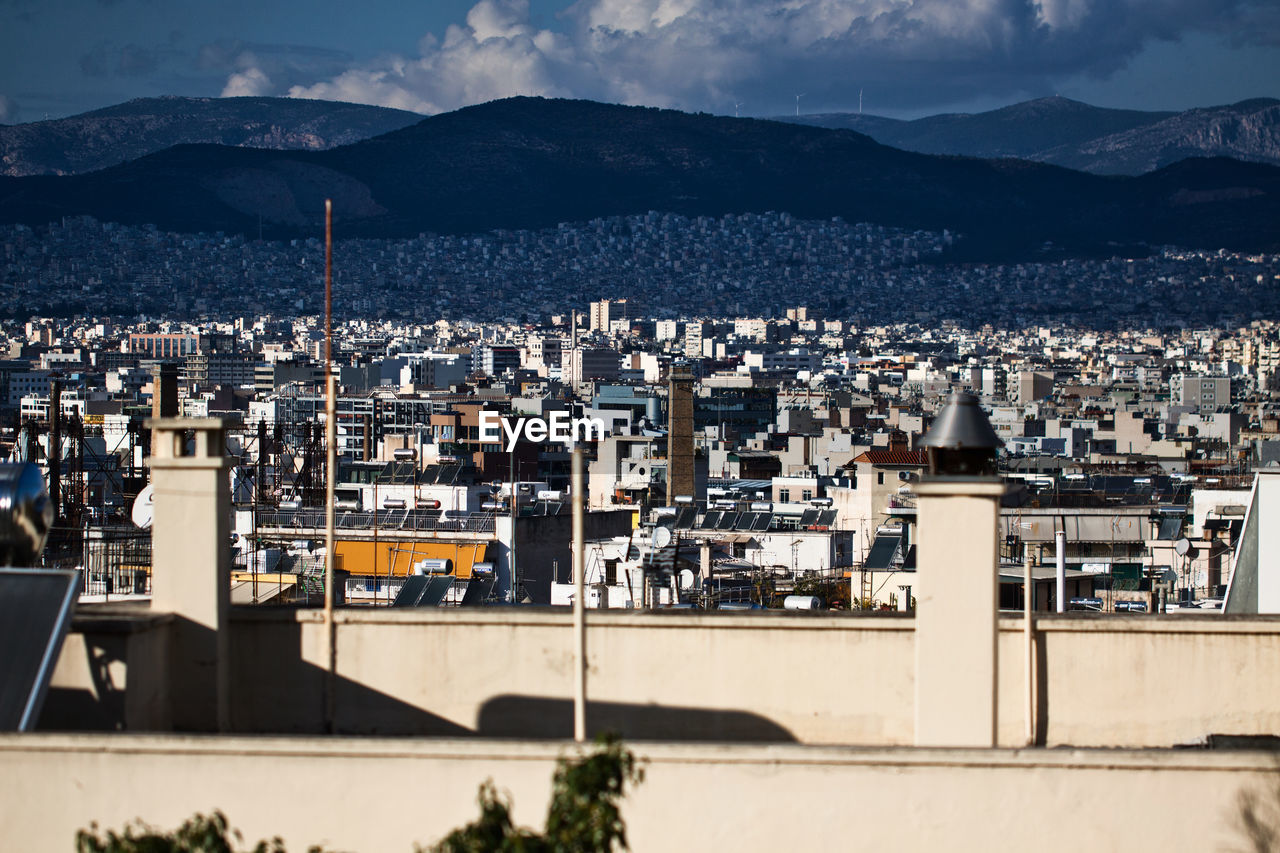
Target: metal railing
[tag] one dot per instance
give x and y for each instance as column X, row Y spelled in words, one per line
column 112, row 560
column 389, row 520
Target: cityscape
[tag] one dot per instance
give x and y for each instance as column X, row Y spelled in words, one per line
column 580, row 426
column 726, row 268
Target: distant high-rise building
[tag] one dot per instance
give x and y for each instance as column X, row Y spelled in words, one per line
column 495, row 360
column 693, row 339
column 173, row 346
column 1203, row 393
column 1034, row 385
column 607, row 311
column 543, row 351
column 666, row 330
column 591, row 363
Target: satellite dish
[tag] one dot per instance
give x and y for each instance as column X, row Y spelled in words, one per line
column 686, row 579
column 1169, row 576
column 143, row 507
column 1182, row 546
column 661, row 537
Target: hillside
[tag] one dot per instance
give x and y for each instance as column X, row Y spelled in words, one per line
column 531, row 162
column 1079, row 136
column 107, row 137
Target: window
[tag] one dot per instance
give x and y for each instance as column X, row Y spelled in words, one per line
column 806, row 495
column 879, row 478
column 784, row 495
column 611, row 572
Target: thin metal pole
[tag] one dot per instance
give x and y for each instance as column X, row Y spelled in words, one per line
column 1028, row 603
column 579, row 607
column 331, row 440
column 1060, row 559
column 511, row 465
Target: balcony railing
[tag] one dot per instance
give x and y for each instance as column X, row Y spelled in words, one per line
column 390, row 520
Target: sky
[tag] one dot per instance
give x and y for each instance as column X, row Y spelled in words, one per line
column 904, row 58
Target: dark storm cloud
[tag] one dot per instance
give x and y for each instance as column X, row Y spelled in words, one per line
column 707, row 53
column 259, row 69
column 130, row 60
column 94, row 63
column 136, row 61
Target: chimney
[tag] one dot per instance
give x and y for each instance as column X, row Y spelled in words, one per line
column 957, row 580
column 679, row 434
column 164, row 391
column 191, row 566
column 164, row 395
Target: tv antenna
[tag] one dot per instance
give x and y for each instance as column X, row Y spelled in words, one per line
column 859, row 102
column 735, row 109
column 798, row 97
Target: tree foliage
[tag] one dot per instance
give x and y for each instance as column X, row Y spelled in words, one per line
column 584, row 814
column 198, row 834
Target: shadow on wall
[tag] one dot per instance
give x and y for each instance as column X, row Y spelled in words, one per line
column 275, row 691
column 546, row 717
column 1257, row 816
column 102, row 652
column 98, row 706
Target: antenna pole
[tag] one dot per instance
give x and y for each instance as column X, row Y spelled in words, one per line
column 511, row 505
column 331, row 439
column 1028, row 617
column 579, row 605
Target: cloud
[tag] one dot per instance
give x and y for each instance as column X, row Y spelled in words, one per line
column 264, row 69
column 137, row 61
column 250, row 82
column 708, row 54
column 8, row 109
column 94, row 63
column 496, row 54
column 130, row 60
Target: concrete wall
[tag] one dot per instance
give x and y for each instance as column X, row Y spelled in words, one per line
column 108, row 649
column 1123, row 681
column 508, row 673
column 365, row 794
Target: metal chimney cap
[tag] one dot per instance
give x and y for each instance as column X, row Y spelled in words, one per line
column 962, row 425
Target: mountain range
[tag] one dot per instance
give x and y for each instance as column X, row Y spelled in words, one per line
column 107, row 137
column 533, row 162
column 1080, row 136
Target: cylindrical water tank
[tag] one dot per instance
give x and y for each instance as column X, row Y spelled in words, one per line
column 26, row 514
column 802, row 602
column 434, row 567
